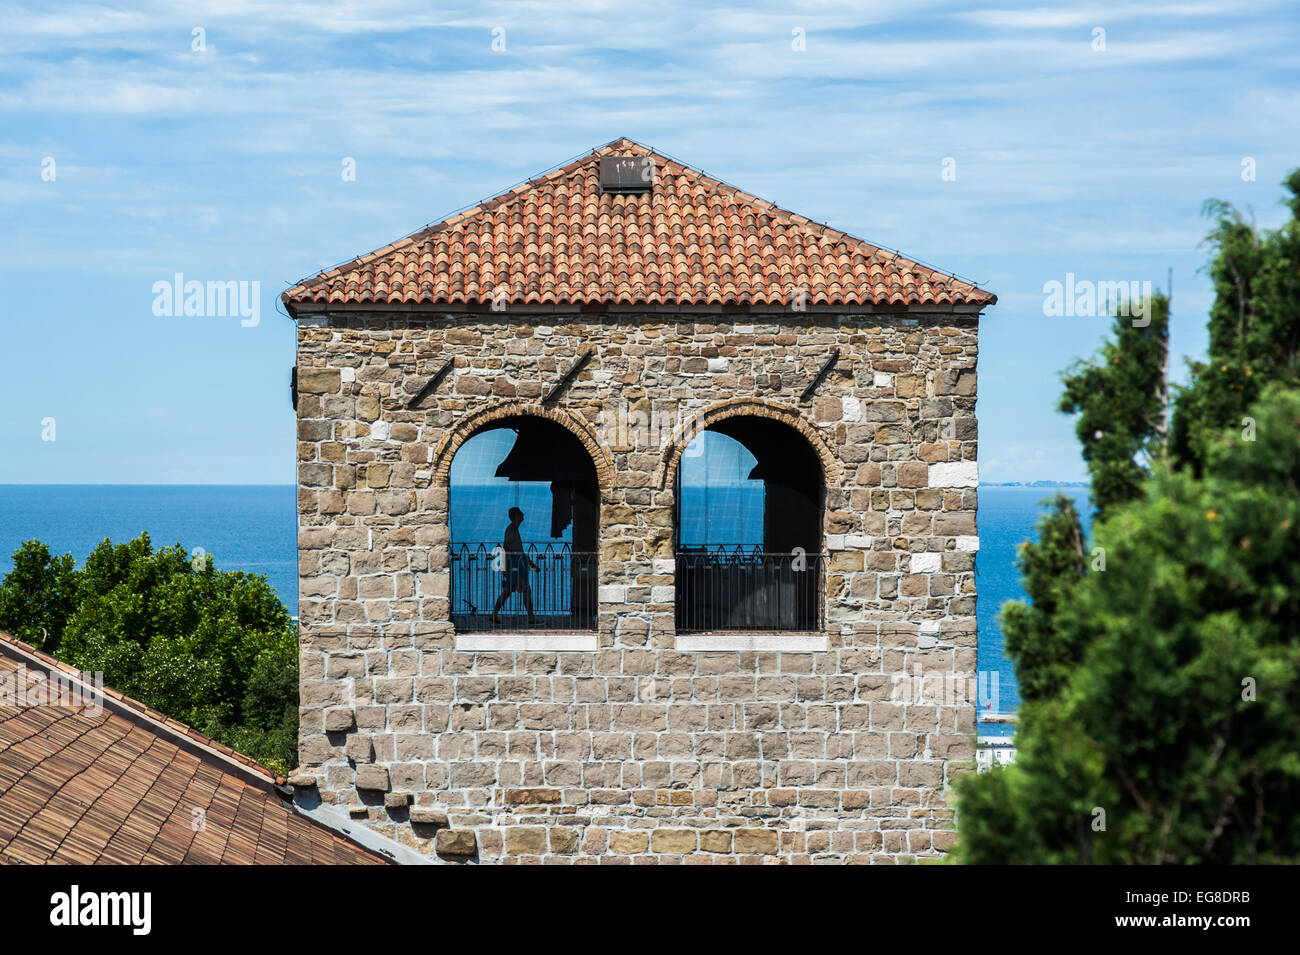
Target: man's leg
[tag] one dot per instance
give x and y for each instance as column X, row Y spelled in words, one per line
column 506, row 590
column 528, row 601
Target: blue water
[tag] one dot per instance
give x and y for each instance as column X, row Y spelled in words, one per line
column 1007, row 516
column 254, row 529
column 480, row 513
column 725, row 514
column 250, row 528
column 730, row 514
column 719, row 504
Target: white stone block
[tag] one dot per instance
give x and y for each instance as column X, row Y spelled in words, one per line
column 968, row 543
column 527, row 642
column 349, row 375
column 752, row 642
column 661, row 595
column 883, row 381
column 852, row 409
column 717, row 365
column 925, row 563
column 857, row 541
column 379, row 430
column 959, row 474
column 613, row 594
column 664, row 565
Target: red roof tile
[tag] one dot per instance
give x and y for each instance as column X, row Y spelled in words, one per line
column 121, row 787
column 691, row 240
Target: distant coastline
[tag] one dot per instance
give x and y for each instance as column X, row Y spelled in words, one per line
column 1033, row 484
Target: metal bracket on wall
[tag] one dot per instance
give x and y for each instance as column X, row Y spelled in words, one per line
column 293, row 387
column 431, row 385
column 821, row 376
column 568, row 377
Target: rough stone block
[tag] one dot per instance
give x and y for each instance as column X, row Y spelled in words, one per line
column 756, row 841
column 423, row 816
column 319, row 381
column 537, row 796
column 674, row 841
column 372, row 778
column 629, row 841
column 338, row 719
column 526, row 840
column 455, row 842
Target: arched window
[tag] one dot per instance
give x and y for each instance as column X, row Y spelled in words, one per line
column 524, row 508
column 748, row 529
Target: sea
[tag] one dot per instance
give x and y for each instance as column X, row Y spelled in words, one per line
column 1008, row 516
column 253, row 528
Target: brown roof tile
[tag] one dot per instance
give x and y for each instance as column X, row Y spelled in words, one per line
column 691, row 240
column 120, row 787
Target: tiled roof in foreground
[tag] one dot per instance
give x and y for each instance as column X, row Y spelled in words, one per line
column 690, row 240
column 123, row 786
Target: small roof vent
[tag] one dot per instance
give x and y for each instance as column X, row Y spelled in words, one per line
column 627, row 173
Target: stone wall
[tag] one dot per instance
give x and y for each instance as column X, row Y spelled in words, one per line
column 635, row 750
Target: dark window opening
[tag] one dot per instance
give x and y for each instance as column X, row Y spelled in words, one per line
column 748, row 530
column 524, row 506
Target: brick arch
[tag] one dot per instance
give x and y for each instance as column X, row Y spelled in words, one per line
column 832, row 471
column 467, row 427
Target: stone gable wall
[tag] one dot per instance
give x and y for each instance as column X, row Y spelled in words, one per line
column 635, row 750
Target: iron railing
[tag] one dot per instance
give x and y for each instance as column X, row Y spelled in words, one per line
column 748, row 589
column 562, row 583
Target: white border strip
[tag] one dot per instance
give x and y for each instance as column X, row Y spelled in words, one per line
column 527, row 642
column 766, row 642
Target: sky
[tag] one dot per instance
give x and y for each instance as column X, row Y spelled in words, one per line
column 1011, row 146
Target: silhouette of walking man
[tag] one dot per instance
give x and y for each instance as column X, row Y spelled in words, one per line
column 517, row 565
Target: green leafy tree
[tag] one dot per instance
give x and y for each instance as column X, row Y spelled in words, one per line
column 215, row 649
column 1121, row 397
column 38, row 596
column 1254, row 327
column 1159, row 721
column 270, row 706
column 1178, row 732
column 1052, row 571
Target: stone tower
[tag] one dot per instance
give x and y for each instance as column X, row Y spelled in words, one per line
column 805, row 697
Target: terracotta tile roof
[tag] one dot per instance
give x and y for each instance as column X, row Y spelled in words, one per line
column 120, row 787
column 691, row 240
